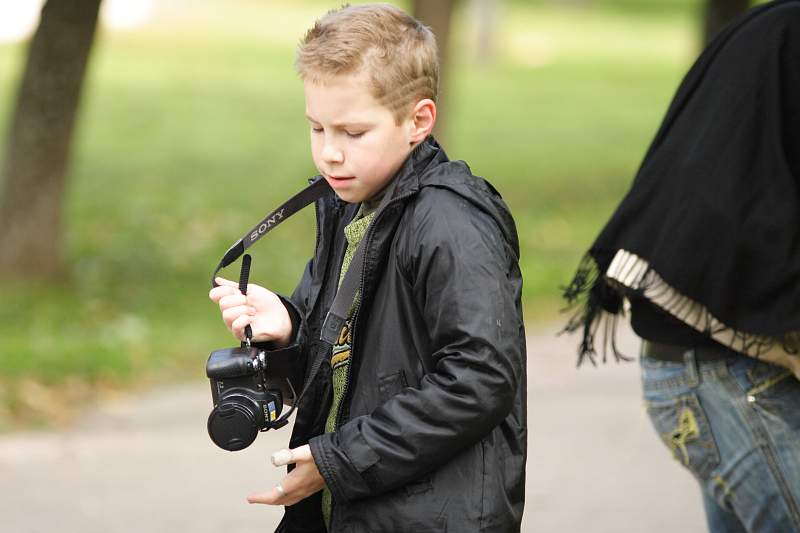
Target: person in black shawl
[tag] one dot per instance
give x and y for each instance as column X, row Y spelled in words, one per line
column 704, row 253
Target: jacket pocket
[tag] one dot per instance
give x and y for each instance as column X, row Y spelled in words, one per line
column 382, row 525
column 683, row 426
column 390, row 384
column 420, row 486
column 439, row 527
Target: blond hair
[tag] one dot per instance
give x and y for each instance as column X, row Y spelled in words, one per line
column 396, row 52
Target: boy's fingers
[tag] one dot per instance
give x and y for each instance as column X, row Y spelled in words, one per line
column 286, row 456
column 226, row 282
column 282, row 457
column 284, row 493
column 219, row 292
column 232, row 313
column 303, row 453
column 232, row 300
column 270, row 498
column 236, row 319
column 238, row 325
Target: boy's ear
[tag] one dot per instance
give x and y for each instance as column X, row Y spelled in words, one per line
column 423, row 118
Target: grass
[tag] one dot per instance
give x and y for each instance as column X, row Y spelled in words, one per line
column 192, row 128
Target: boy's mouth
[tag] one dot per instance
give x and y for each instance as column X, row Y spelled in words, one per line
column 339, row 180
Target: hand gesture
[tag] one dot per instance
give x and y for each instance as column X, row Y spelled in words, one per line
column 299, row 484
column 261, row 309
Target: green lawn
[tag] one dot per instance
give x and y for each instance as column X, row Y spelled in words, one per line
column 193, row 128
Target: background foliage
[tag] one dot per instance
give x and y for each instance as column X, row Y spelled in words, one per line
column 192, row 127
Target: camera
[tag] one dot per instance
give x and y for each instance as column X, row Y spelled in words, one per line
column 250, row 385
column 246, row 399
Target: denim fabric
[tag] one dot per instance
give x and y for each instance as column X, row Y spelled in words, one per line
column 735, row 424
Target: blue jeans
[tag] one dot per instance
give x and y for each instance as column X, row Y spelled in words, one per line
column 736, row 426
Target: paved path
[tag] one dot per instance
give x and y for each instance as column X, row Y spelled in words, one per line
column 146, row 465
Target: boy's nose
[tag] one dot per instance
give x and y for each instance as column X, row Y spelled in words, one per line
column 331, row 154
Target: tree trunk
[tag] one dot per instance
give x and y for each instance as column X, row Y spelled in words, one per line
column 438, row 14
column 37, row 153
column 719, row 13
column 485, row 15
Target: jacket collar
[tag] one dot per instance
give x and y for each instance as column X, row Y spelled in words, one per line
column 420, row 158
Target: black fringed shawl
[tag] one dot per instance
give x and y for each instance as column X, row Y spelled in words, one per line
column 715, row 206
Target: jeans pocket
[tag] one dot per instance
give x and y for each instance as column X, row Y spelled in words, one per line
column 776, row 393
column 659, row 377
column 683, row 427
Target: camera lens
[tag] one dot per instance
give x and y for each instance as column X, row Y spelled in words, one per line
column 232, row 425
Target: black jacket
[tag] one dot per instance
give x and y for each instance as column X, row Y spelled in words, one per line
column 432, row 431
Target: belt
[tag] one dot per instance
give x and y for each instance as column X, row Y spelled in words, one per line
column 674, row 353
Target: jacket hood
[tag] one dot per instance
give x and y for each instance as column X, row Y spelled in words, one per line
column 429, row 166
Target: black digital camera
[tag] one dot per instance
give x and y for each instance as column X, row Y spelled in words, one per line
column 250, row 385
column 246, row 399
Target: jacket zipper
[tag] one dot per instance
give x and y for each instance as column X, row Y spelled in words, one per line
column 360, row 292
column 358, row 307
column 354, row 318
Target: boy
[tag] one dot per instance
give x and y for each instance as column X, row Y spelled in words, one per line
column 417, row 420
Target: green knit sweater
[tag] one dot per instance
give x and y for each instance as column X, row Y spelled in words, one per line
column 340, row 357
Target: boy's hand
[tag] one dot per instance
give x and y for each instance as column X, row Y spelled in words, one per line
column 261, row 309
column 301, row 482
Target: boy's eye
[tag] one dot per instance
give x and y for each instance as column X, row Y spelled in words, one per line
column 316, row 130
column 355, row 135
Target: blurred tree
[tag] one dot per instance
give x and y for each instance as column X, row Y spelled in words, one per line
column 37, row 153
column 486, row 15
column 719, row 13
column 438, row 15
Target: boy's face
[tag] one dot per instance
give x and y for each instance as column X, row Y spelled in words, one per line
column 355, row 142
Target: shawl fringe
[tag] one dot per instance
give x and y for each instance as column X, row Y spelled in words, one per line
column 595, row 302
column 595, row 307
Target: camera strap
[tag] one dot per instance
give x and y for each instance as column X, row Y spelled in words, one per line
column 343, row 301
column 307, row 196
column 340, row 309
